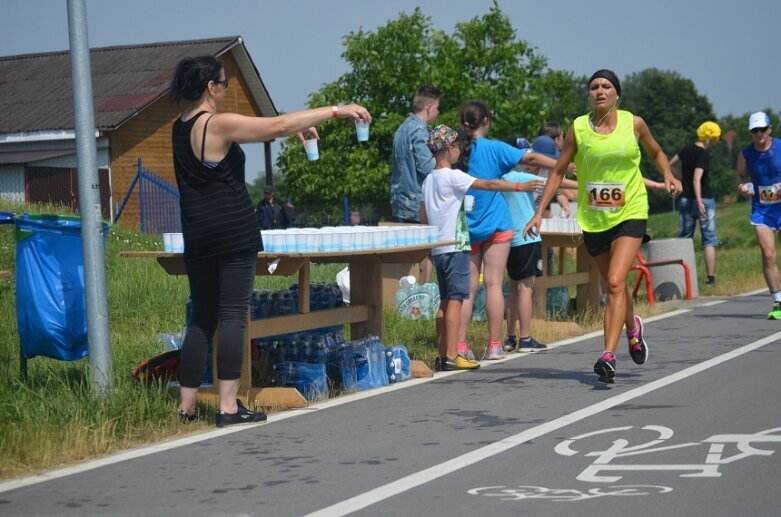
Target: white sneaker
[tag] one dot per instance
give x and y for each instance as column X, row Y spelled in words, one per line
column 494, row 352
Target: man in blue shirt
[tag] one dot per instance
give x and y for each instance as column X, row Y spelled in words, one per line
column 412, row 160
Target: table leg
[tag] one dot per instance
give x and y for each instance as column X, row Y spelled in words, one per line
column 588, row 294
column 366, row 289
column 304, row 279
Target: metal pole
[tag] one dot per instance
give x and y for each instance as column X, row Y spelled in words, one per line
column 89, row 201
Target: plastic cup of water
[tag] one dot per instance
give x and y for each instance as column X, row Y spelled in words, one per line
column 310, row 146
column 362, row 130
column 469, row 203
column 299, row 237
column 433, row 233
column 177, row 243
column 168, row 246
column 328, row 238
column 377, row 238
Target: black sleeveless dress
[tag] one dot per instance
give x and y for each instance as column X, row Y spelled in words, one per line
column 218, row 217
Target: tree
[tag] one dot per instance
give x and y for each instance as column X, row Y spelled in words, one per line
column 482, row 59
column 673, row 109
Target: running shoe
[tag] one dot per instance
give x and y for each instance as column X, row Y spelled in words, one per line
column 775, row 314
column 459, row 363
column 464, row 351
column 186, row 417
column 638, row 348
column 493, row 352
column 439, row 365
column 242, row 416
column 531, row 345
column 605, row 367
column 510, row 344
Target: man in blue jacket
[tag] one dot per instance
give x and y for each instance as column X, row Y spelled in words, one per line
column 412, row 160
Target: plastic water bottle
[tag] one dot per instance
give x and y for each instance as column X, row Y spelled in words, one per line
column 402, row 293
column 379, row 368
column 478, row 310
column 286, row 305
column 432, row 290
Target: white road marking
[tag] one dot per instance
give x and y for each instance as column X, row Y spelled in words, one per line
column 146, row 450
column 422, row 477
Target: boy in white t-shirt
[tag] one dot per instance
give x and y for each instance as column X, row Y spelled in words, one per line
column 444, row 191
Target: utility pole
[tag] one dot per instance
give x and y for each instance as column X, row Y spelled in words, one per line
column 89, row 201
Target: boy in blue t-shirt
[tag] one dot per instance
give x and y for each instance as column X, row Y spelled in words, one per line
column 524, row 264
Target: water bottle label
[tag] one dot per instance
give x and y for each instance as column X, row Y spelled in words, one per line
column 397, row 365
column 415, row 306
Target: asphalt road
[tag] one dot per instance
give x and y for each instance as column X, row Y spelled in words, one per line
column 696, row 431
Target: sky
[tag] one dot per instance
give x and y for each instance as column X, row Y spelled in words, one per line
column 724, row 46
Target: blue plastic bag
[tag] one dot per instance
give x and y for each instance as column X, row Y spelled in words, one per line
column 51, row 308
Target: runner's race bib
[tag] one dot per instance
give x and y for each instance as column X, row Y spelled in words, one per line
column 770, row 194
column 606, row 196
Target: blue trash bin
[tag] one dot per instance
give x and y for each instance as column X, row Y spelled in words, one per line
column 51, row 309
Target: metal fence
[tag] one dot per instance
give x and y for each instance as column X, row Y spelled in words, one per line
column 158, row 203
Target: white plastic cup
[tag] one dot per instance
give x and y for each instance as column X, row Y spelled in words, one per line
column 378, row 239
column 362, row 130
column 329, row 239
column 288, row 241
column 168, row 246
column 269, row 241
column 300, row 240
column 310, row 146
column 433, row 233
column 748, row 188
column 177, row 243
column 469, row 203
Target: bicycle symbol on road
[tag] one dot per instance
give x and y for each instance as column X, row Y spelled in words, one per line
column 608, row 463
column 715, row 457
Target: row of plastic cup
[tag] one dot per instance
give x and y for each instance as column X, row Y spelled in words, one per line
column 559, row 225
column 346, row 238
column 173, row 243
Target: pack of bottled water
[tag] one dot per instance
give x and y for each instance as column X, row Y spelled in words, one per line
column 308, row 378
column 397, row 363
column 417, row 301
column 362, row 364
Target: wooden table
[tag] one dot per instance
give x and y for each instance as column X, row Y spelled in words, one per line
column 365, row 313
column 585, row 277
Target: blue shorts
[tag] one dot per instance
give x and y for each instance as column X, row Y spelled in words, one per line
column 453, row 275
column 689, row 214
column 767, row 216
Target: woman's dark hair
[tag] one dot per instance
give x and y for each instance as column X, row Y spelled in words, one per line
column 472, row 115
column 191, row 77
column 465, row 141
column 610, row 75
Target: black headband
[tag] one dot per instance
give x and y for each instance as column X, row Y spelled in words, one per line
column 610, row 76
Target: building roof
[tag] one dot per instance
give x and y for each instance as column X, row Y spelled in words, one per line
column 37, row 91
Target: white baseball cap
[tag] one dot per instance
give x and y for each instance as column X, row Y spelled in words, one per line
column 758, row 119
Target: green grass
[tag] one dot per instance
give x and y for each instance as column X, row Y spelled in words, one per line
column 51, row 418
